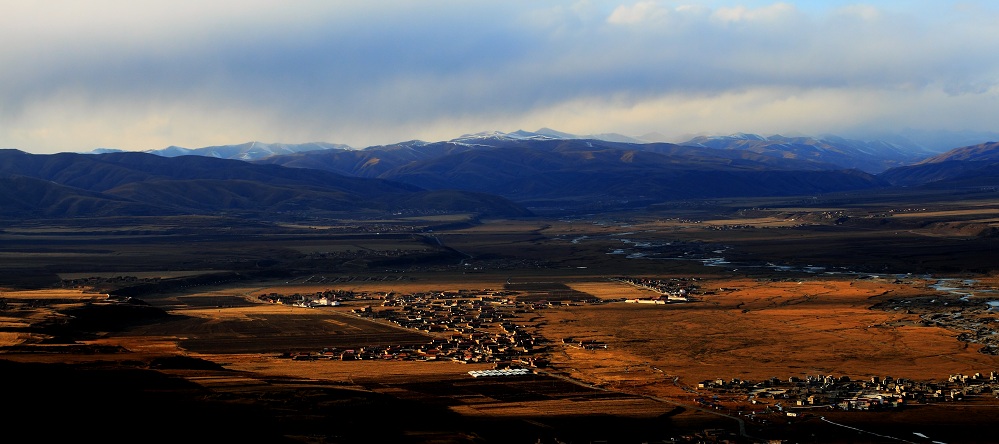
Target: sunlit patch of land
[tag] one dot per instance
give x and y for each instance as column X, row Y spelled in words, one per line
column 50, row 294
column 949, row 213
column 755, row 330
column 612, row 290
column 352, row 372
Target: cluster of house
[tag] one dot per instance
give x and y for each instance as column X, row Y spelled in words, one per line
column 843, row 393
column 328, row 298
column 470, row 326
column 670, row 290
column 499, row 372
column 585, row 344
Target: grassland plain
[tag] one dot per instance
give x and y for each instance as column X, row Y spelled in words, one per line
column 779, row 289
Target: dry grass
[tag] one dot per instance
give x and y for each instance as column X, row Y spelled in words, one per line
column 50, row 294
column 949, row 213
column 611, row 289
column 748, row 328
column 757, row 330
column 11, row 338
column 354, row 372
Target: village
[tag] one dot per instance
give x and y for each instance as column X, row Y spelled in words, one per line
column 471, row 326
column 670, row 290
column 797, row 397
column 467, row 326
column 499, row 327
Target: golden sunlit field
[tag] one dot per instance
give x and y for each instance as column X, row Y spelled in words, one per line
column 759, row 329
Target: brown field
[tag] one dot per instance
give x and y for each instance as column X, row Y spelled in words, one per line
column 50, row 294
column 780, row 329
column 611, row 289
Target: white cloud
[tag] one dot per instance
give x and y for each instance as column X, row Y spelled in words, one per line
column 768, row 110
column 637, row 13
column 864, row 12
column 770, row 13
column 137, row 75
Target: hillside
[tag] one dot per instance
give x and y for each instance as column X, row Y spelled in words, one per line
column 537, row 169
column 28, row 197
column 121, row 184
column 828, row 152
column 528, row 167
column 868, row 156
column 983, row 152
column 974, row 165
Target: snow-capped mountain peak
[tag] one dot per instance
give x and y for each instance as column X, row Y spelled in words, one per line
column 499, row 135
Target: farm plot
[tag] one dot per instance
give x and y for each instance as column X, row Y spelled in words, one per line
column 215, row 301
column 551, row 407
column 505, row 389
column 294, row 331
column 547, row 291
column 757, row 329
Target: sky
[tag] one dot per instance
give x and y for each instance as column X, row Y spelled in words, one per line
column 80, row 75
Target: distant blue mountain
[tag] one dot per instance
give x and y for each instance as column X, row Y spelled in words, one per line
column 552, row 166
column 144, row 184
column 247, row 151
column 868, row 156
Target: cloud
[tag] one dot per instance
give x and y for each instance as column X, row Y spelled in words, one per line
column 637, row 13
column 863, row 12
column 141, row 75
column 770, row 13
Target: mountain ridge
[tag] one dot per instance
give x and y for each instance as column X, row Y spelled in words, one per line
column 974, row 165
column 529, row 167
column 872, row 156
column 132, row 183
column 491, row 171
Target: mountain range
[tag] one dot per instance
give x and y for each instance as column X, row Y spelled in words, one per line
column 829, row 152
column 489, row 173
column 143, row 184
column 869, row 156
column 243, row 151
column 532, row 167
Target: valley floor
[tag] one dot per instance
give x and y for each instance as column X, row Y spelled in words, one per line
column 152, row 334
